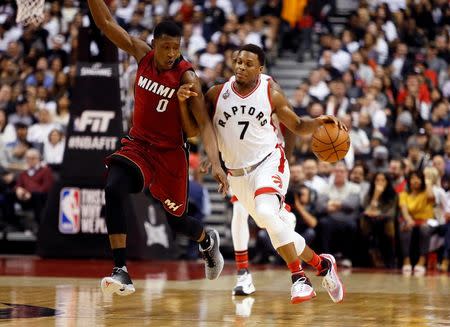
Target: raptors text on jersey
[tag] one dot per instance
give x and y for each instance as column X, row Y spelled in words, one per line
column 243, row 126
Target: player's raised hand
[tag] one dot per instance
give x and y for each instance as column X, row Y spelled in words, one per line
column 221, row 178
column 328, row 119
column 184, row 92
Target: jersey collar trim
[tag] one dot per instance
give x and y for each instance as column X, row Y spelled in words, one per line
column 249, row 93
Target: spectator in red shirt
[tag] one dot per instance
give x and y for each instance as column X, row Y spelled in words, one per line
column 33, row 184
column 397, row 173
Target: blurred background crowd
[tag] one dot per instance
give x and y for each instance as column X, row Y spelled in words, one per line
column 384, row 73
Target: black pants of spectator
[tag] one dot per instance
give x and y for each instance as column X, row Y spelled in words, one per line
column 35, row 204
column 380, row 235
column 337, row 235
column 424, row 235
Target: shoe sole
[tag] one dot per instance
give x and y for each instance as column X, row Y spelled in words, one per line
column 221, row 261
column 333, row 261
column 110, row 286
column 298, row 299
column 241, row 292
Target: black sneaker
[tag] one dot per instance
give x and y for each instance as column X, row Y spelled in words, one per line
column 119, row 282
column 212, row 256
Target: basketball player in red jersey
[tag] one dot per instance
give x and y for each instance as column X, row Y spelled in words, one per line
column 153, row 154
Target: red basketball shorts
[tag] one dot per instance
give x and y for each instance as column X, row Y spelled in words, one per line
column 164, row 171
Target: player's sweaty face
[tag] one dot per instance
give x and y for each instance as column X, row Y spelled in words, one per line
column 167, row 50
column 247, row 67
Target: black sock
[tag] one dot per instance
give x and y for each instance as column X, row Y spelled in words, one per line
column 206, row 242
column 119, row 256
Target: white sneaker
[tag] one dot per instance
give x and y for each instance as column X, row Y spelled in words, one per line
column 331, row 281
column 302, row 290
column 243, row 306
column 419, row 270
column 244, row 284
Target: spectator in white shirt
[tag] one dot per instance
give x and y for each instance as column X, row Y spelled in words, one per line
column 38, row 132
column 312, row 180
column 210, row 58
column 54, row 147
column 340, row 59
column 318, row 88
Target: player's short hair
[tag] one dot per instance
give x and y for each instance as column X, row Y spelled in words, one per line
column 168, row 28
column 256, row 50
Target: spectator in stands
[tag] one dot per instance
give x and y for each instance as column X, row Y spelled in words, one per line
column 22, row 113
column 213, row 19
column 324, row 170
column 416, row 206
column 304, row 209
column 359, row 140
column 358, row 176
column 417, row 159
column 211, row 58
column 33, row 184
column 54, row 147
column 337, row 103
column 440, row 119
column 378, row 220
column 15, row 151
column 318, row 88
column 380, row 157
column 6, row 102
column 397, row 174
column 7, row 131
column 312, row 180
column 38, row 133
column 339, row 206
column 62, row 112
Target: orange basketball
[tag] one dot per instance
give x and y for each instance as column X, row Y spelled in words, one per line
column 330, row 143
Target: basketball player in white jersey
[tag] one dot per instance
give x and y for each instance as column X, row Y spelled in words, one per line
column 240, row 233
column 258, row 170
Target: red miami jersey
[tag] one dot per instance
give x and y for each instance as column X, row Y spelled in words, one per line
column 156, row 117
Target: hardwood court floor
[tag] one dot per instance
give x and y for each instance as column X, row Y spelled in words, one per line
column 62, row 293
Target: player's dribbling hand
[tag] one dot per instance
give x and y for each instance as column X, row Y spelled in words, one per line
column 184, row 92
column 327, row 119
column 221, row 178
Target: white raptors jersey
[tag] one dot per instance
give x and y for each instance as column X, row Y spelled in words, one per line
column 275, row 121
column 243, row 126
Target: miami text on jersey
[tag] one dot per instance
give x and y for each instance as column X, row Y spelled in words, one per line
column 155, row 87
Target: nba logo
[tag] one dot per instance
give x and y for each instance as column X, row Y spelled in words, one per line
column 69, row 210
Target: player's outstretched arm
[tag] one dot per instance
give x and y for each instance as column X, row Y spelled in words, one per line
column 106, row 23
column 299, row 126
column 196, row 104
column 289, row 137
column 190, row 126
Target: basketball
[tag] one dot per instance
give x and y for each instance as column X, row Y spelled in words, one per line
column 330, row 143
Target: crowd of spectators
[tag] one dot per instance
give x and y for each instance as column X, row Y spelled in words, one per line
column 385, row 74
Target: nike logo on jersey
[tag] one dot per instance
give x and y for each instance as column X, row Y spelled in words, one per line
column 242, row 110
column 155, row 87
